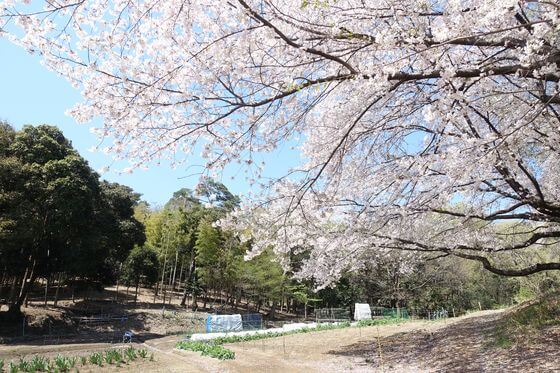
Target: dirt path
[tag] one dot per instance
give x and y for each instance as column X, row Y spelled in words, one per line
column 454, row 345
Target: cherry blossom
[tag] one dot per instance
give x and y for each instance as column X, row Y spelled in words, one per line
column 425, row 126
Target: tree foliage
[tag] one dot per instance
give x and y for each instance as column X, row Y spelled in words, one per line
column 141, row 266
column 419, row 119
column 56, row 215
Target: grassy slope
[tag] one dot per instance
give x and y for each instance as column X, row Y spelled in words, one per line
column 525, row 321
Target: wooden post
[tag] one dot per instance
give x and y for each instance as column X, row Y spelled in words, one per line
column 156, row 291
column 380, row 350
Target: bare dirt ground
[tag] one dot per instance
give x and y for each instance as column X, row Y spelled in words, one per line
column 453, row 345
column 465, row 346
column 148, row 317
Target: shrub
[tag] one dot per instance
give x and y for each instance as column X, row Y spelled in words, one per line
column 130, row 353
column 109, row 357
column 65, row 364
column 384, row 321
column 208, row 349
column 23, row 365
column 13, row 367
column 143, row 353
column 61, row 363
column 96, row 359
column 38, row 364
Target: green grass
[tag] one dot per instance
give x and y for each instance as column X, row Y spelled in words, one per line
column 66, row 364
column 526, row 321
column 214, row 347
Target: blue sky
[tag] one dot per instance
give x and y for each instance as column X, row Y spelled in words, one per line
column 31, row 94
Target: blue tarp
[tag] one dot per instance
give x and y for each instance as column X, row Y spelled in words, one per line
column 224, row 323
column 252, row 321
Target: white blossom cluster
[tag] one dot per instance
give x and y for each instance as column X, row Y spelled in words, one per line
column 424, row 123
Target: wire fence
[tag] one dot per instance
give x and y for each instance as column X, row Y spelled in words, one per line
column 344, row 314
column 109, row 328
column 386, row 312
column 332, row 314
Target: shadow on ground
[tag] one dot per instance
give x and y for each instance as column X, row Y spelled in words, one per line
column 460, row 347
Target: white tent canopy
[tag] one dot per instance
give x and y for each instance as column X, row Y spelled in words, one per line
column 362, row 311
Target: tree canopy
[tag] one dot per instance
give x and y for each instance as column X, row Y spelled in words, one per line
column 55, row 213
column 141, row 266
column 423, row 124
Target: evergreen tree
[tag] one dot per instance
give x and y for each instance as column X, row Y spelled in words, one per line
column 141, row 266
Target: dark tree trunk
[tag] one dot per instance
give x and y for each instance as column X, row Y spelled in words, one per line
column 272, row 313
column 73, row 293
column 57, row 289
column 194, row 305
column 47, row 280
column 2, row 283
column 136, row 292
column 156, row 292
column 12, row 296
column 28, row 280
column 189, row 280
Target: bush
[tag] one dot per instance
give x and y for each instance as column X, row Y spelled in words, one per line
column 384, row 321
column 130, row 353
column 13, row 367
column 208, row 349
column 143, row 353
column 96, row 358
column 61, row 364
column 65, row 364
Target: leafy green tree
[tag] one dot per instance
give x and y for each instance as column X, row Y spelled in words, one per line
column 208, row 246
column 119, row 230
column 56, row 216
column 173, row 232
column 141, row 266
column 59, row 192
column 217, row 194
column 263, row 279
column 183, row 199
column 16, row 206
column 303, row 294
column 7, row 135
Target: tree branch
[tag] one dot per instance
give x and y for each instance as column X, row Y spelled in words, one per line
column 535, row 268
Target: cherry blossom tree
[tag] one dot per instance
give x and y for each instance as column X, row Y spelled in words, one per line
column 424, row 125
